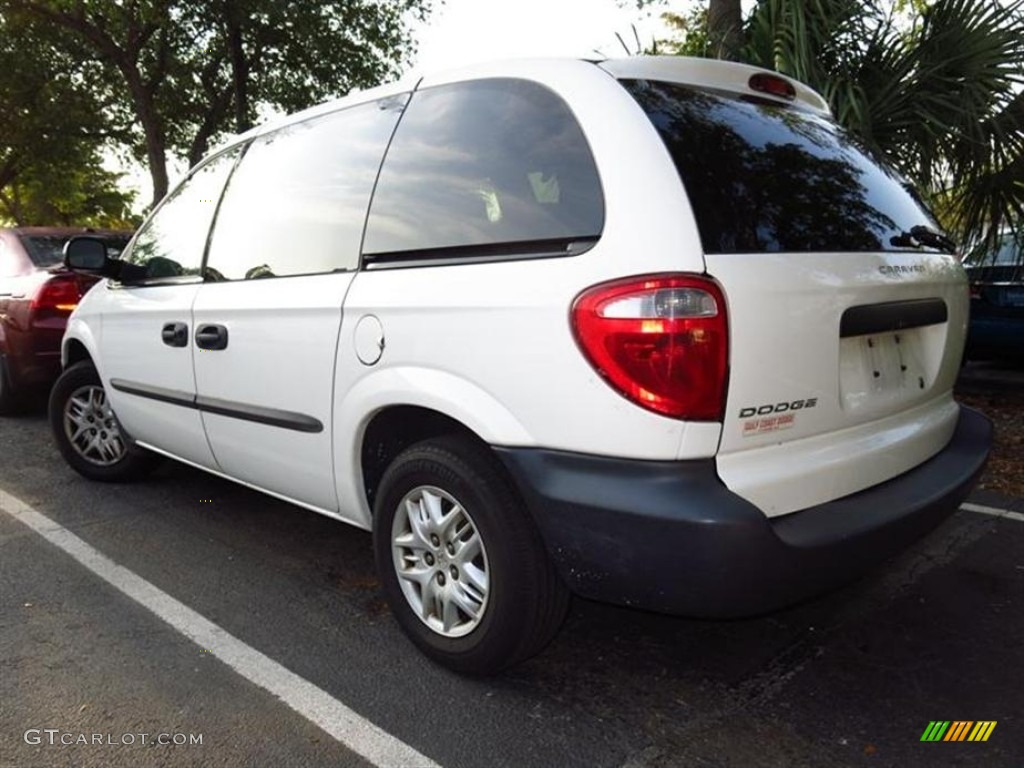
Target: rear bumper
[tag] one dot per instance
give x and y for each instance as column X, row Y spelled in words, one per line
column 670, row 537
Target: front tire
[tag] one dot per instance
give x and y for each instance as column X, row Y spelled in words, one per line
column 87, row 432
column 462, row 564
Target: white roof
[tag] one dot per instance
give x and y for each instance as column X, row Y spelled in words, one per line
column 709, row 73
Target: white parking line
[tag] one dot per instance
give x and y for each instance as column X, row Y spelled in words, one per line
column 994, row 511
column 353, row 731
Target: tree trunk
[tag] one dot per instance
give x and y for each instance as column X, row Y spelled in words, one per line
column 725, row 28
column 157, row 156
column 239, row 68
column 201, row 141
column 156, row 146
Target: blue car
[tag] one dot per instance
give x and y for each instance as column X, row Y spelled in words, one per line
column 997, row 301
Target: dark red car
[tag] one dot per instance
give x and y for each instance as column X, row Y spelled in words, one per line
column 36, row 296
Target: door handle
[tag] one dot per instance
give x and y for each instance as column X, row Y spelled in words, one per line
column 212, row 337
column 175, row 335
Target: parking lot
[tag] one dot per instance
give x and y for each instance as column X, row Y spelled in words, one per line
column 306, row 667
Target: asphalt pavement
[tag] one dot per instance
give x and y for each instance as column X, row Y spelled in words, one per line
column 849, row 679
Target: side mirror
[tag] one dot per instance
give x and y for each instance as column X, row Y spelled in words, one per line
column 89, row 255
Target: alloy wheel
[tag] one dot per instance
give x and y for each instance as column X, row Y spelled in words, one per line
column 440, row 560
column 91, row 428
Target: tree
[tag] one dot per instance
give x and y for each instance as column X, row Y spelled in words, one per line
column 183, row 72
column 51, row 134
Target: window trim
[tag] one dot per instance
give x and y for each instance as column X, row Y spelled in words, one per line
column 485, row 253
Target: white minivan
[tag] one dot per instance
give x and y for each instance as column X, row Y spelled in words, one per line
column 653, row 331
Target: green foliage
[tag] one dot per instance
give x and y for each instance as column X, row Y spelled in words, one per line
column 177, row 75
column 51, row 133
column 81, row 194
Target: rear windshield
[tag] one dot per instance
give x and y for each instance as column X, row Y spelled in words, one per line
column 765, row 178
column 48, row 250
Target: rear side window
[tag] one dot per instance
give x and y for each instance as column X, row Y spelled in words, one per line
column 766, row 178
column 44, row 250
column 485, row 167
column 296, row 204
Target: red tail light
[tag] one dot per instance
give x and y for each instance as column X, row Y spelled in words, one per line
column 58, row 294
column 661, row 340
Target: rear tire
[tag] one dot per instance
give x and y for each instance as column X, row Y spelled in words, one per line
column 463, row 567
column 87, row 432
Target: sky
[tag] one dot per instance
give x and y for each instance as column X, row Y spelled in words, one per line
column 464, row 31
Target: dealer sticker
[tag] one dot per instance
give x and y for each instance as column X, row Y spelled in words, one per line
column 766, row 424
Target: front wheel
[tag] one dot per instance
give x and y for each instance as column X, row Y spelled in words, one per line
column 87, row 432
column 462, row 564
